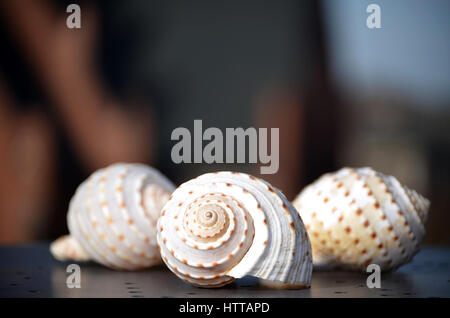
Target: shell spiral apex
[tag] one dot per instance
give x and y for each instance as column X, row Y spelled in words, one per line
column 225, row 225
column 357, row 217
column 112, row 217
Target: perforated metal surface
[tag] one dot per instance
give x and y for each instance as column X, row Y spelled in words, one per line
column 30, row 271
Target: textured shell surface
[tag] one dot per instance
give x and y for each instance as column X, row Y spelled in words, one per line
column 225, row 225
column 357, row 217
column 67, row 248
column 112, row 217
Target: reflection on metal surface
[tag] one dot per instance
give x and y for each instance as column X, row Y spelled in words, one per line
column 30, row 271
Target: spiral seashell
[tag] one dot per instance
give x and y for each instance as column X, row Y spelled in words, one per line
column 357, row 217
column 225, row 225
column 112, row 217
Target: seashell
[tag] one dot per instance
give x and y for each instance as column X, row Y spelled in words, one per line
column 67, row 248
column 357, row 217
column 112, row 217
column 225, row 225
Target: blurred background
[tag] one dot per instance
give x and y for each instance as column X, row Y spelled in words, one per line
column 75, row 100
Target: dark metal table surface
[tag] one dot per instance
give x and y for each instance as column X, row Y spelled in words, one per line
column 30, row 271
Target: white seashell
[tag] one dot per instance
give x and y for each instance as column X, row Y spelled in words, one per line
column 226, row 225
column 67, row 248
column 112, row 217
column 357, row 217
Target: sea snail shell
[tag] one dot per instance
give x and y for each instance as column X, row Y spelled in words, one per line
column 225, row 225
column 357, row 217
column 112, row 217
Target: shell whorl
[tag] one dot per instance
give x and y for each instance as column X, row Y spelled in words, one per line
column 356, row 217
column 225, row 225
column 113, row 215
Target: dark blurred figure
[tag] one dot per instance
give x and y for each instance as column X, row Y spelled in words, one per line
column 59, row 120
column 75, row 100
